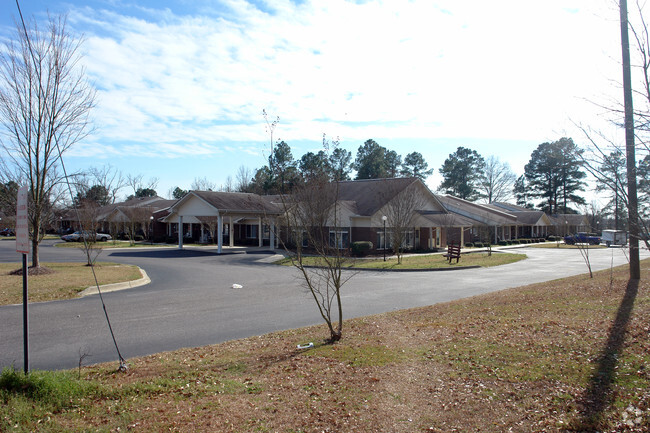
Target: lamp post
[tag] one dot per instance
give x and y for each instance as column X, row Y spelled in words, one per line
column 384, row 218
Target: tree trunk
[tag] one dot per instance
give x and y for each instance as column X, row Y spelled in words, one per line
column 35, row 260
column 633, row 226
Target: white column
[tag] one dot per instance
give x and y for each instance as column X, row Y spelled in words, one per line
column 462, row 236
column 259, row 231
column 496, row 230
column 180, row 232
column 231, row 232
column 272, row 235
column 219, row 233
column 430, row 237
column 202, row 234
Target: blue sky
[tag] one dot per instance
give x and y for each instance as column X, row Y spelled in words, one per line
column 182, row 84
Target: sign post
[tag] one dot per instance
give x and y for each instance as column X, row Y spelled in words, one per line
column 22, row 246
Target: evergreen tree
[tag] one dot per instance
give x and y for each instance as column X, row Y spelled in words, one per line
column 178, row 193
column 314, row 166
column 521, row 193
column 339, row 164
column 613, row 182
column 393, row 163
column 415, row 166
column 371, row 161
column 462, row 172
column 554, row 174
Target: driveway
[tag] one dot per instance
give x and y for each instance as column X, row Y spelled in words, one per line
column 191, row 302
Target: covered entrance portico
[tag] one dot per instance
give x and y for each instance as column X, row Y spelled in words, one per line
column 238, row 218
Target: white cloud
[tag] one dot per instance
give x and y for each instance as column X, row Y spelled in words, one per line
column 385, row 69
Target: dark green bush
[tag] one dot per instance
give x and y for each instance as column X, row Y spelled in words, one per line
column 478, row 244
column 503, row 243
column 361, row 248
column 469, row 244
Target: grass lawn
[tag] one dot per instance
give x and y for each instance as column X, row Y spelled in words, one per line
column 425, row 261
column 67, row 280
column 539, row 358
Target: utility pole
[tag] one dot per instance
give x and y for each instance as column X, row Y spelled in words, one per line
column 633, row 209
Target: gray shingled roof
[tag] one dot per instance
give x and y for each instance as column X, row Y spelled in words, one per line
column 370, row 195
column 529, row 217
column 571, row 219
column 477, row 211
column 237, row 201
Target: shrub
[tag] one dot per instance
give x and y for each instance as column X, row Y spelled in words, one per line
column 515, row 242
column 469, row 244
column 503, row 243
column 361, row 248
column 478, row 244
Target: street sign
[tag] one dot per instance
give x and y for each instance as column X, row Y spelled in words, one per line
column 22, row 223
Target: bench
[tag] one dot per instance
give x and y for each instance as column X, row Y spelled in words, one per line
column 453, row 252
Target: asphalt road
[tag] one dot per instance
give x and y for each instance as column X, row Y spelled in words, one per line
column 190, row 301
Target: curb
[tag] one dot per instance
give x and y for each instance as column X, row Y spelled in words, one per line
column 92, row 290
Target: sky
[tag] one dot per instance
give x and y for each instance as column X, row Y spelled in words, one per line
column 181, row 85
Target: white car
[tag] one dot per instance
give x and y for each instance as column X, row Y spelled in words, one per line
column 79, row 236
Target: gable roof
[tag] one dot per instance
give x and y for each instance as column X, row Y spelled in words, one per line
column 370, row 195
column 226, row 202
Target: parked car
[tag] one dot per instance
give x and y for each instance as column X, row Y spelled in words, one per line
column 7, row 232
column 79, row 236
column 582, row 238
column 614, row 237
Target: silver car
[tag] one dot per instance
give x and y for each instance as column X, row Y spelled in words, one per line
column 79, row 236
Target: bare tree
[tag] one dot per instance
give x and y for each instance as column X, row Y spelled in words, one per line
column 498, row 180
column 212, row 223
column 312, row 220
column 400, row 212
column 243, row 179
column 45, row 102
column 312, row 217
column 138, row 185
column 228, row 186
column 88, row 213
column 138, row 218
column 203, row 184
column 110, row 178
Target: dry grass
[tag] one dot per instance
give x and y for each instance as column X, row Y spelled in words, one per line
column 67, row 280
column 568, row 355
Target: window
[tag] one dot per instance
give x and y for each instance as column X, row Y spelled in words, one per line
column 408, row 239
column 251, row 231
column 381, row 241
column 339, row 239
